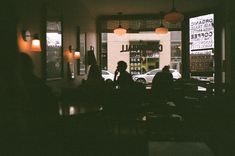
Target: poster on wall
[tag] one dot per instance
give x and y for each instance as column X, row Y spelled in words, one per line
column 201, row 34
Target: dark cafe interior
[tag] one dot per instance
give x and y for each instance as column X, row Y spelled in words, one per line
column 117, row 78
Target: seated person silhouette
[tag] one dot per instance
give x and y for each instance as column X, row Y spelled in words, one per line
column 41, row 109
column 162, row 86
column 92, row 89
column 124, row 80
column 94, row 75
column 125, row 94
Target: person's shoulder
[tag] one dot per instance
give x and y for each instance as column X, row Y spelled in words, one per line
column 127, row 73
column 158, row 73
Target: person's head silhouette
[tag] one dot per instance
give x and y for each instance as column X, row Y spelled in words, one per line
column 166, row 69
column 121, row 66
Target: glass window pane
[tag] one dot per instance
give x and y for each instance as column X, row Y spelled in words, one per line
column 202, row 47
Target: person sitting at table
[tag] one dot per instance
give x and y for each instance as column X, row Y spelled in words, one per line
column 162, row 86
column 126, row 88
column 124, row 80
column 94, row 86
column 44, row 103
column 94, row 76
column 41, row 109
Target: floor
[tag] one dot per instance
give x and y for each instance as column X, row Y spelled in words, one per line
column 94, row 135
column 90, row 135
column 99, row 134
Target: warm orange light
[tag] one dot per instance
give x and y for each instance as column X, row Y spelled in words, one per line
column 68, row 56
column 23, row 45
column 120, row 31
column 36, row 46
column 76, row 55
column 174, row 17
column 161, row 30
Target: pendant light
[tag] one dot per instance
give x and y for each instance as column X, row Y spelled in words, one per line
column 174, row 16
column 162, row 29
column 119, row 31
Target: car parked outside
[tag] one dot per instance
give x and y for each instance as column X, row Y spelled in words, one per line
column 147, row 78
column 204, row 78
column 108, row 76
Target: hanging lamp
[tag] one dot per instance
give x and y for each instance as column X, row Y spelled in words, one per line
column 119, row 31
column 162, row 29
column 174, row 16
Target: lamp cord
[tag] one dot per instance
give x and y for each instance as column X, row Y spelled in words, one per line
column 119, row 20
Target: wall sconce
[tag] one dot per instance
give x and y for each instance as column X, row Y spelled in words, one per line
column 76, row 55
column 35, row 45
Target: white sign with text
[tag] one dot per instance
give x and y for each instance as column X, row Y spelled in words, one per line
column 201, row 32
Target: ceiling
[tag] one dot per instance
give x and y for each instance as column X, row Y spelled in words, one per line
column 112, row 7
column 146, row 8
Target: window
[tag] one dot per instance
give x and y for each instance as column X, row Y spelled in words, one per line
column 201, row 34
column 54, row 61
column 141, row 48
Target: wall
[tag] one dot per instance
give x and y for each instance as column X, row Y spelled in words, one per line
column 31, row 15
column 229, row 22
column 227, row 15
column 72, row 18
column 114, row 45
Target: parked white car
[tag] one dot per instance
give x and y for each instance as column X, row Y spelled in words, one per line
column 204, row 78
column 147, row 78
column 108, row 76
